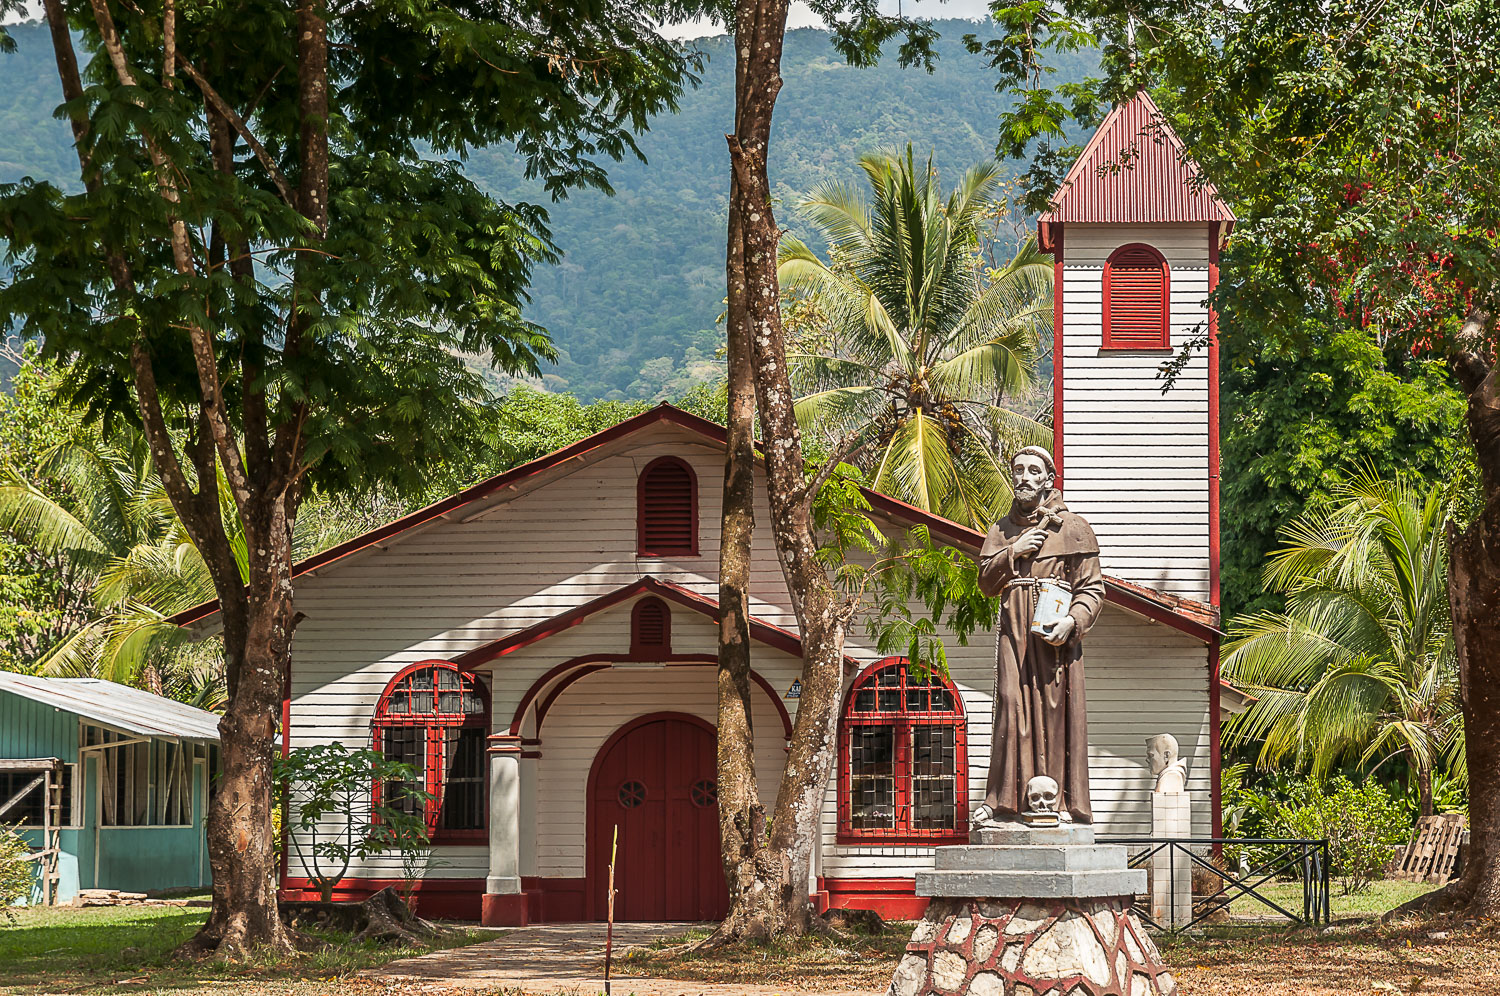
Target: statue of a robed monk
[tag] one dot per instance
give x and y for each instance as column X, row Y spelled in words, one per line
column 1043, row 562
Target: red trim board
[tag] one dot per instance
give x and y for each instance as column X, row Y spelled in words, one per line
column 570, row 671
column 1058, row 318
column 767, row 633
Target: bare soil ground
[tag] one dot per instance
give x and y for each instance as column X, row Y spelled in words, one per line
column 1358, row 957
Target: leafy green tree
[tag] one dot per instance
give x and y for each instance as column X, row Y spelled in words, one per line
column 96, row 511
column 41, row 598
column 1360, row 665
column 17, row 871
column 270, row 270
column 922, row 344
column 1299, row 420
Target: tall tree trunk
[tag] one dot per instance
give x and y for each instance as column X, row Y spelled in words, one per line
column 1474, row 597
column 1425, row 806
column 781, row 879
column 742, row 818
column 241, row 851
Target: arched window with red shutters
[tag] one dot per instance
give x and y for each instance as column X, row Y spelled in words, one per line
column 650, row 627
column 436, row 718
column 1137, row 299
column 903, row 758
column 667, row 510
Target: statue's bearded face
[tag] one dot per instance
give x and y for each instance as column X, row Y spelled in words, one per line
column 1030, row 477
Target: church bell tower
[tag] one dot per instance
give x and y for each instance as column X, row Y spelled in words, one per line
column 1135, row 233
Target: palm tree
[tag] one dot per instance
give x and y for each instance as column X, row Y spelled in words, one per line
column 96, row 508
column 918, row 344
column 1361, row 664
column 101, row 513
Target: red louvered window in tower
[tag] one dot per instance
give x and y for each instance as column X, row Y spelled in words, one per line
column 436, row 718
column 667, row 510
column 650, row 627
column 1136, row 299
column 903, row 758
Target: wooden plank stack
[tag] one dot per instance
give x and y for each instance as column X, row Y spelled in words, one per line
column 1433, row 850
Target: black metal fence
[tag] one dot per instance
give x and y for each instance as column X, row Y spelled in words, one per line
column 1272, row 858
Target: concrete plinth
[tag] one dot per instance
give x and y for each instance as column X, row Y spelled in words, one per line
column 1032, row 863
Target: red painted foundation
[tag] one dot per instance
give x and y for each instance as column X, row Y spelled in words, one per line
column 561, row 900
column 434, row 898
column 892, row 898
column 504, row 910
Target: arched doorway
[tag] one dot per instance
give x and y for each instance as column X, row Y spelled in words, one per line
column 654, row 779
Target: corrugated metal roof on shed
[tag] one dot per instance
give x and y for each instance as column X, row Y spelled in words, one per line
column 1136, row 171
column 118, row 706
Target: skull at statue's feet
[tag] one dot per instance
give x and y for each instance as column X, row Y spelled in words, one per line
column 1041, row 795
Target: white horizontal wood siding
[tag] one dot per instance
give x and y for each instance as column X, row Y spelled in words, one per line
column 1135, row 459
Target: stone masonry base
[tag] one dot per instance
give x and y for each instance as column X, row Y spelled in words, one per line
column 1031, row 947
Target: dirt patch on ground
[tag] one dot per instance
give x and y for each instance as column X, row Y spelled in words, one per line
column 1442, row 959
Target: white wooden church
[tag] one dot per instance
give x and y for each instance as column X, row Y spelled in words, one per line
column 542, row 645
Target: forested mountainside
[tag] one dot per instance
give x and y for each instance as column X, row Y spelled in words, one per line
column 633, row 303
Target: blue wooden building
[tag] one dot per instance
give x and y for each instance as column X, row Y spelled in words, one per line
column 108, row 784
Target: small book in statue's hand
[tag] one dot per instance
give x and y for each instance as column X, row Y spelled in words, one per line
column 1053, row 599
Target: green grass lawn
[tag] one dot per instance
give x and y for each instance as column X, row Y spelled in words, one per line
column 130, row 948
column 1380, row 898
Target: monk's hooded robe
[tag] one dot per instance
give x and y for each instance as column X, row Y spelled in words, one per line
column 1040, row 723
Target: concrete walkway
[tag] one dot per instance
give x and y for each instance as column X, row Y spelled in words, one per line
column 553, row 958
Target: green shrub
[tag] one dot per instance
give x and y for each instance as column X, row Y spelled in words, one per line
column 15, row 871
column 1363, row 823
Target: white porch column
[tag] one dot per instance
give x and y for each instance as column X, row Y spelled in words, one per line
column 504, row 903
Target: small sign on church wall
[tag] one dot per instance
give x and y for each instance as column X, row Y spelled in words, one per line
column 795, row 692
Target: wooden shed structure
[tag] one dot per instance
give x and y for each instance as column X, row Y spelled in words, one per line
column 108, row 784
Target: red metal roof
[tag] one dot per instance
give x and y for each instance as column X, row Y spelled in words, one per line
column 1135, row 170
column 1185, row 614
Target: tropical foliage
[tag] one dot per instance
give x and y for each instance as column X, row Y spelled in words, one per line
column 921, row 343
column 1360, row 667
column 96, row 509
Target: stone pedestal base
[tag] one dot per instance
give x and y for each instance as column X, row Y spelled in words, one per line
column 1172, row 869
column 1031, row 947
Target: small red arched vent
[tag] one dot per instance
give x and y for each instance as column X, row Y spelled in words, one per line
column 667, row 510
column 651, row 626
column 1136, row 299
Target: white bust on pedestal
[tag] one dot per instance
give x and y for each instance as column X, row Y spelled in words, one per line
column 1171, row 816
column 1169, row 770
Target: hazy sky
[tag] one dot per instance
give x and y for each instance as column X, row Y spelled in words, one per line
column 800, row 16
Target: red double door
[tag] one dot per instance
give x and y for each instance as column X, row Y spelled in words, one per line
column 655, row 782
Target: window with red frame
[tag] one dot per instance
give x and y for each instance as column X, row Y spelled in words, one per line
column 1136, row 299
column 903, row 765
column 667, row 510
column 436, row 718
